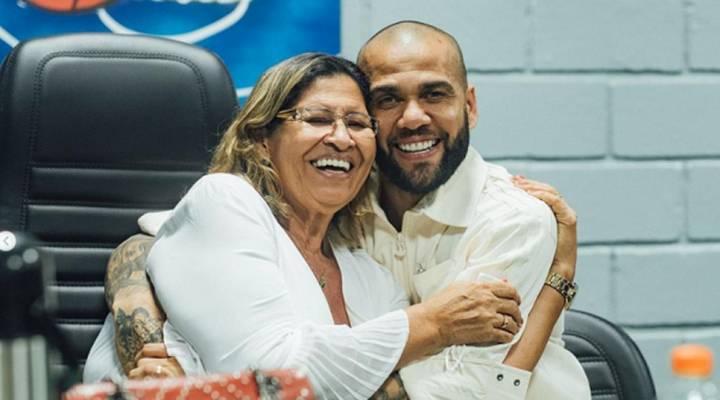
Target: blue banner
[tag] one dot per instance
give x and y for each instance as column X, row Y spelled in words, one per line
column 249, row 35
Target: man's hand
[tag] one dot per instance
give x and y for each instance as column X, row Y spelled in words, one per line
column 138, row 319
column 153, row 361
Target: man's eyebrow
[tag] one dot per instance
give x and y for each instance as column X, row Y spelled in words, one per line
column 428, row 86
column 384, row 89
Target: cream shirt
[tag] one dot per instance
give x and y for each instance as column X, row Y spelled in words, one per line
column 477, row 226
column 238, row 294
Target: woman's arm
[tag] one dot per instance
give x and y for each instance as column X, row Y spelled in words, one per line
column 549, row 305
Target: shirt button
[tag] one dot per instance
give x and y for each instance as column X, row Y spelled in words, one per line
column 517, row 382
column 400, row 246
column 500, row 377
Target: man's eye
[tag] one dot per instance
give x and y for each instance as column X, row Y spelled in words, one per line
column 385, row 102
column 436, row 95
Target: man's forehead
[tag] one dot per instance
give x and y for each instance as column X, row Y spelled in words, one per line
column 399, row 54
column 395, row 61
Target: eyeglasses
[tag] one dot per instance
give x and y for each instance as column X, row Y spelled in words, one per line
column 323, row 120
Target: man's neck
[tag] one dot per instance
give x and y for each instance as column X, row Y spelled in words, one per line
column 395, row 202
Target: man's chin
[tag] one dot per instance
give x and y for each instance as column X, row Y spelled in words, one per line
column 420, row 179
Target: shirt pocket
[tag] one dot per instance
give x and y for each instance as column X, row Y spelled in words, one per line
column 433, row 279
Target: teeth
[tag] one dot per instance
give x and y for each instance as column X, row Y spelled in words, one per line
column 332, row 162
column 417, row 146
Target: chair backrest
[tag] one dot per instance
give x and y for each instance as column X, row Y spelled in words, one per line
column 95, row 130
column 612, row 361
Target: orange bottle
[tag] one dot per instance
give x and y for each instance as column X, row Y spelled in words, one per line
column 692, row 365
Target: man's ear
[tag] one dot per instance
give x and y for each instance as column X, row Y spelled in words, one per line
column 471, row 106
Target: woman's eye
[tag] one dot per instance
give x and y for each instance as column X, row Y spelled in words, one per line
column 357, row 125
column 319, row 120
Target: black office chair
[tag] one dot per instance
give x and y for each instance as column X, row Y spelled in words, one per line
column 612, row 361
column 95, row 130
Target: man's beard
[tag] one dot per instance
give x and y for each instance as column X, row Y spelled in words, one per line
column 425, row 178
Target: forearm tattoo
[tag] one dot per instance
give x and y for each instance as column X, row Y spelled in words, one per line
column 126, row 267
column 132, row 332
column 140, row 320
column 392, row 389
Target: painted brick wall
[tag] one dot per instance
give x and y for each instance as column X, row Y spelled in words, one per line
column 616, row 103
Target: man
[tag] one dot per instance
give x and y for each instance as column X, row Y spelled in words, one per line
column 440, row 213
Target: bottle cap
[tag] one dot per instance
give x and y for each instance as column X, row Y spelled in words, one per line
column 692, row 360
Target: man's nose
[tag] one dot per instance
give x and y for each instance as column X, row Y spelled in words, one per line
column 340, row 137
column 413, row 116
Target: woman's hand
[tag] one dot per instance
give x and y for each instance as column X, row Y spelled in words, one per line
column 480, row 313
column 566, row 252
column 153, row 361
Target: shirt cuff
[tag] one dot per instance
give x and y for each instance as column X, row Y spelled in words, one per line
column 508, row 383
column 151, row 222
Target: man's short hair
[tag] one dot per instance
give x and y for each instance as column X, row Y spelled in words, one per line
column 416, row 26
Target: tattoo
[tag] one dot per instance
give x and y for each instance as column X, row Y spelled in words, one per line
column 132, row 332
column 392, row 389
column 126, row 267
column 129, row 295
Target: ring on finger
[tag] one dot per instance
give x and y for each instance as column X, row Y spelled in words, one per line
column 158, row 370
column 505, row 322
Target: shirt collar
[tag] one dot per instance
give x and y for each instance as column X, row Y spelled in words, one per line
column 450, row 203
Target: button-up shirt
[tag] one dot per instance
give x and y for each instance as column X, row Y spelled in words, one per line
column 476, row 226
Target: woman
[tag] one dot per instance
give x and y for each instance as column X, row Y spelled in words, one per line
column 268, row 241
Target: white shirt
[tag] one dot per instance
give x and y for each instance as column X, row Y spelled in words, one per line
column 235, row 287
column 477, row 226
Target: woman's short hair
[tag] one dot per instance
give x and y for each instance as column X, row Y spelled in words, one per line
column 279, row 88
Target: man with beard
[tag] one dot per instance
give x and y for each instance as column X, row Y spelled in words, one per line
column 438, row 213
column 442, row 214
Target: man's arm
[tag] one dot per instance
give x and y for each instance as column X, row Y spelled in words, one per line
column 129, row 296
column 548, row 307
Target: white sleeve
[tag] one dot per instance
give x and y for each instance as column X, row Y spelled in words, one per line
column 215, row 273
column 517, row 245
column 150, row 223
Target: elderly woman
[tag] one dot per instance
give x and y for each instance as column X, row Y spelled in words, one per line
column 259, row 265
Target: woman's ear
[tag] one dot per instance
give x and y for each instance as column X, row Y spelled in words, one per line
column 263, row 147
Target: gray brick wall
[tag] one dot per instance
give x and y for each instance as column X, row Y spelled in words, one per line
column 616, row 103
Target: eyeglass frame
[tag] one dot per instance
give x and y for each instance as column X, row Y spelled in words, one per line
column 294, row 114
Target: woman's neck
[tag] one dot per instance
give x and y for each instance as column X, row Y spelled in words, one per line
column 308, row 231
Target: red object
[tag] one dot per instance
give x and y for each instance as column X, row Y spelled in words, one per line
column 69, row 5
column 251, row 385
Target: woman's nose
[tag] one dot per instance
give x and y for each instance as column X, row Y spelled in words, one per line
column 340, row 137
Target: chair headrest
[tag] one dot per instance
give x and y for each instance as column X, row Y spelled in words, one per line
column 109, row 102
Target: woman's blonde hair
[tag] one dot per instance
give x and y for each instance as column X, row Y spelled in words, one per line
column 240, row 150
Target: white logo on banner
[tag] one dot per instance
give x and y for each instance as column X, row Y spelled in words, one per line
column 194, row 36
